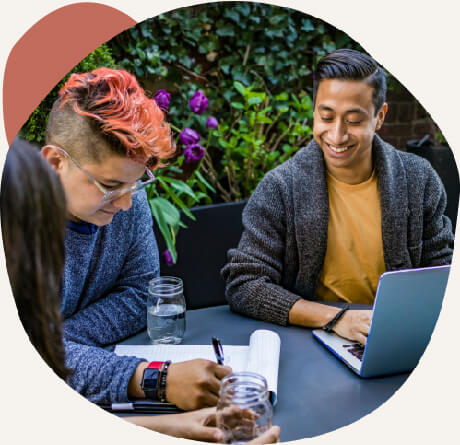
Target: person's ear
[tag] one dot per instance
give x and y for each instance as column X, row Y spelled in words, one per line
column 381, row 116
column 54, row 156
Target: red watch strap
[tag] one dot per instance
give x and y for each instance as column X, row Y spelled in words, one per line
column 155, row 365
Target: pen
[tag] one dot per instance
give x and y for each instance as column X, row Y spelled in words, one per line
column 218, row 350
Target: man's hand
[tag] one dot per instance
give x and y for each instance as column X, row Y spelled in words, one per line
column 354, row 325
column 240, row 417
column 243, row 423
column 195, row 425
column 272, row 435
column 195, row 383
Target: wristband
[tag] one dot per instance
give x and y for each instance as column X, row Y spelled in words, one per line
column 329, row 327
column 155, row 365
column 162, row 381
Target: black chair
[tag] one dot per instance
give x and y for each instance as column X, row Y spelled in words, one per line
column 202, row 252
column 442, row 160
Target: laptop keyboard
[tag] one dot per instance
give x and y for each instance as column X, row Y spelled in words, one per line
column 357, row 350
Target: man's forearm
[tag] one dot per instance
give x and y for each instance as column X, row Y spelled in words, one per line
column 353, row 325
column 311, row 314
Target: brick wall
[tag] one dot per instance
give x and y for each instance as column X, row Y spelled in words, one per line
column 406, row 119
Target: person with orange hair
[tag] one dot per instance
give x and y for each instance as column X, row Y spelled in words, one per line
column 103, row 137
column 33, row 214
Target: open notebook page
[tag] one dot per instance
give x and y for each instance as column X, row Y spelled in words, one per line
column 261, row 356
column 264, row 356
column 235, row 356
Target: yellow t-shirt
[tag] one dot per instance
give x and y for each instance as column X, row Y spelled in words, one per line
column 354, row 256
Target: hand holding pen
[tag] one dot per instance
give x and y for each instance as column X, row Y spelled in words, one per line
column 218, row 350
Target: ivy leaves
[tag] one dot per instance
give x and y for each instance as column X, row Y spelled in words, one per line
column 226, row 41
column 34, row 129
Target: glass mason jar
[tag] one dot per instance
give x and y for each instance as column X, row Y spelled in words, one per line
column 244, row 410
column 166, row 311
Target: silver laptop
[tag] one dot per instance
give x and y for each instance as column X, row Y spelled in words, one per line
column 406, row 308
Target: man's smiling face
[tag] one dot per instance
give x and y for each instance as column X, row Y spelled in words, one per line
column 344, row 126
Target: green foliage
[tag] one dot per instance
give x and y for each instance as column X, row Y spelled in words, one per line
column 439, row 138
column 263, row 132
column 34, row 129
column 169, row 194
column 213, row 45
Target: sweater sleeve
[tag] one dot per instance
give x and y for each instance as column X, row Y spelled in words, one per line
column 254, row 269
column 438, row 238
column 121, row 312
column 99, row 375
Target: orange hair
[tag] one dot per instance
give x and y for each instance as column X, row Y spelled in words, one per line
column 115, row 100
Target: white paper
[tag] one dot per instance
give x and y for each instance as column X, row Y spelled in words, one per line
column 261, row 356
column 235, row 356
column 264, row 356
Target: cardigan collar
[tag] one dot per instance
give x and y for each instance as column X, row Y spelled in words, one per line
column 394, row 204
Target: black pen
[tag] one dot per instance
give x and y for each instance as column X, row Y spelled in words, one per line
column 218, row 350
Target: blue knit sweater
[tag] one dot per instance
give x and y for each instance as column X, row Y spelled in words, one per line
column 104, row 295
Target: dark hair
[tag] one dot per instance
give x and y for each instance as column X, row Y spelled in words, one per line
column 33, row 212
column 352, row 65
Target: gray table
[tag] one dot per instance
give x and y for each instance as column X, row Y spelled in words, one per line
column 316, row 392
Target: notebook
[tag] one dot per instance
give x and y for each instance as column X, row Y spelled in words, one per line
column 406, row 308
column 260, row 356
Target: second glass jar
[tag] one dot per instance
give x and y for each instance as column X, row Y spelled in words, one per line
column 244, row 410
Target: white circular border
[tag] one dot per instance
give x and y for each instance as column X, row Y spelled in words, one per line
column 417, row 41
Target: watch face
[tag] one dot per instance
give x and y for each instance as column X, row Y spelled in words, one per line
column 150, row 379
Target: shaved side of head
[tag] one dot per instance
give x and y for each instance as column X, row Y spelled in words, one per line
column 77, row 135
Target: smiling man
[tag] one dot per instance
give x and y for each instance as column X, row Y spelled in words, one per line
column 327, row 223
column 103, row 138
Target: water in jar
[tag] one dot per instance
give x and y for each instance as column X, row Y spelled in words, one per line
column 166, row 323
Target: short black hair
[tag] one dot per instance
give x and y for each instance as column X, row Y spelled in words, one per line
column 352, row 65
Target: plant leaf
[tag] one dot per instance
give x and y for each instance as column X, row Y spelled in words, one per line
column 255, row 100
column 240, row 88
column 203, row 180
column 180, row 186
column 237, row 105
column 163, row 226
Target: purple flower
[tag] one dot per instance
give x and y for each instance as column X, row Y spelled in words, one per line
column 162, row 98
column 198, row 102
column 212, row 122
column 189, row 136
column 168, row 258
column 193, row 153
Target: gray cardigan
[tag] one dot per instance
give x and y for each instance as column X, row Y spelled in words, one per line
column 281, row 253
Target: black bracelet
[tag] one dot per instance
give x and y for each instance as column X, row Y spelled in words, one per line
column 162, row 381
column 330, row 326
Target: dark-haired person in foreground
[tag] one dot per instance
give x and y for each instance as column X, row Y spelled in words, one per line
column 33, row 217
column 324, row 226
column 103, row 138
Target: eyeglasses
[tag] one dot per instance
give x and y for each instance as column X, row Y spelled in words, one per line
column 110, row 195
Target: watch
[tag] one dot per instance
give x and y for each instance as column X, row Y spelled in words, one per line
column 329, row 327
column 149, row 383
